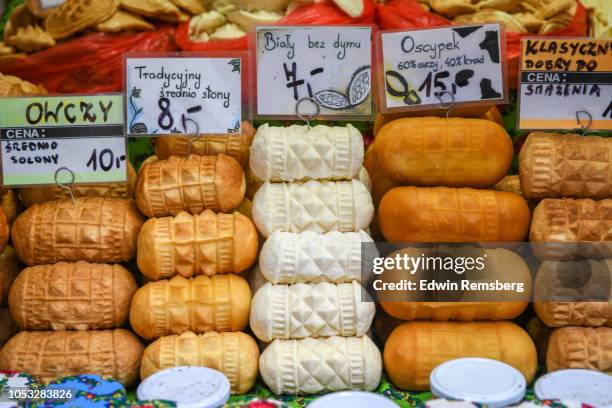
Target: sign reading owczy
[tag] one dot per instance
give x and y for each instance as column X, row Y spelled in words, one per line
column 39, row 135
column 421, row 65
column 332, row 65
column 563, row 76
column 183, row 95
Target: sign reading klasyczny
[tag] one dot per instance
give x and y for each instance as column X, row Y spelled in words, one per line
column 330, row 64
column 39, row 135
column 562, row 76
column 186, row 95
column 421, row 66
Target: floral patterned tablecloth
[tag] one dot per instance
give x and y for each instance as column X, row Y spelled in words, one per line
column 404, row 399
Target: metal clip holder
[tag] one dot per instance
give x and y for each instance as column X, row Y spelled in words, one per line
column 197, row 135
column 582, row 128
column 305, row 117
column 66, row 186
column 447, row 107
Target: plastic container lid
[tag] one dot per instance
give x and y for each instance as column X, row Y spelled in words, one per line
column 584, row 386
column 187, row 386
column 353, row 399
column 480, row 380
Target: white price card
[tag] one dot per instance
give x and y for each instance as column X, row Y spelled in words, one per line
column 425, row 68
column 565, row 83
column 40, row 135
column 183, row 94
column 332, row 65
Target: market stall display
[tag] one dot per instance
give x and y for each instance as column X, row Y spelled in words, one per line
column 124, row 283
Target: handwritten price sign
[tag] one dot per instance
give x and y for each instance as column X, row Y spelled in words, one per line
column 562, row 78
column 174, row 95
column 40, row 135
column 331, row 65
column 421, row 66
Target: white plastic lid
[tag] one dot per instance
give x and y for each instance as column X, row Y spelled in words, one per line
column 187, row 386
column 584, row 386
column 480, row 380
column 353, row 399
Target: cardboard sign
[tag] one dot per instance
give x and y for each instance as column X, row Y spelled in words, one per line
column 39, row 135
column 422, row 66
column 565, row 81
column 330, row 64
column 188, row 95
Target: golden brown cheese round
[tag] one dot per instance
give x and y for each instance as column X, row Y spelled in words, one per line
column 451, row 152
column 96, row 229
column 72, row 296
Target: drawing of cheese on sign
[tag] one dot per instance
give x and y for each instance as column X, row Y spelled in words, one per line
column 331, row 65
column 423, row 66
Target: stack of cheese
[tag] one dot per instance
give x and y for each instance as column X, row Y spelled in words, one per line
column 73, row 296
column 572, row 175
column 312, row 212
column 191, row 249
column 445, row 167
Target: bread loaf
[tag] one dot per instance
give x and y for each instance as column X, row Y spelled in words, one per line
column 4, row 230
column 236, row 145
column 101, row 230
column 572, row 222
column 308, row 257
column 310, row 310
column 415, row 214
column 312, row 206
column 302, row 152
column 580, row 347
column 72, row 296
column 555, row 165
column 235, row 354
column 38, row 195
column 452, row 152
column 190, row 245
column 51, row 355
column 192, row 184
column 9, row 269
column 414, row 349
column 202, row 304
column 509, row 183
column 566, row 293
column 312, row 366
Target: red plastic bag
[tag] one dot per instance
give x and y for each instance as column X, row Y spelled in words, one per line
column 322, row 13
column 90, row 64
column 406, row 14
column 409, row 14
